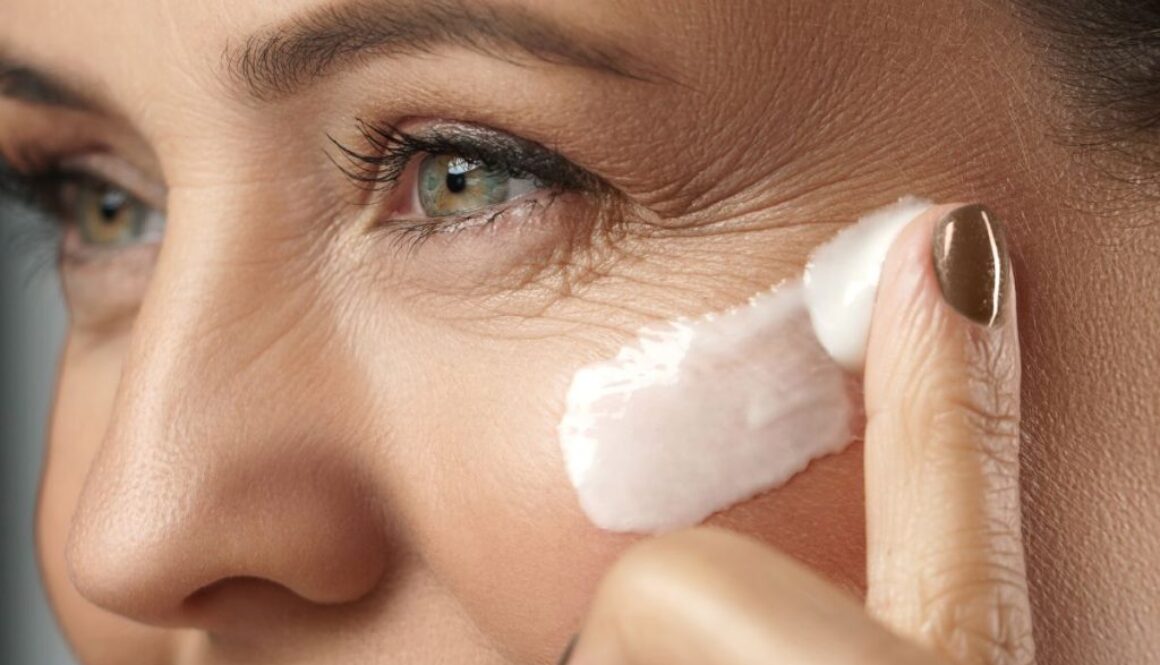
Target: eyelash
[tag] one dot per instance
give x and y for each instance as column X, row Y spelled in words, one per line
column 392, row 150
column 388, row 153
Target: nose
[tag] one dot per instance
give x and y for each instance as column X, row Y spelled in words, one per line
column 231, row 462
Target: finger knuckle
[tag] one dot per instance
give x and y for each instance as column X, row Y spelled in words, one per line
column 656, row 571
column 979, row 619
column 971, row 389
column 968, row 408
column 634, row 570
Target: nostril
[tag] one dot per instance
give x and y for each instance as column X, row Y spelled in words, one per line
column 211, row 593
column 243, row 603
column 161, row 584
column 231, row 593
column 165, row 579
column 210, row 554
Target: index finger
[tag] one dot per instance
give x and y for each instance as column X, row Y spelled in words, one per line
column 946, row 562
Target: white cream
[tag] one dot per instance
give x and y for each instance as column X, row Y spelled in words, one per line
column 699, row 414
column 841, row 280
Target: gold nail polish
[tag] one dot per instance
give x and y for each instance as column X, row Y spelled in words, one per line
column 970, row 259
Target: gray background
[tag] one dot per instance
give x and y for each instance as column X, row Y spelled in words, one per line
column 31, row 329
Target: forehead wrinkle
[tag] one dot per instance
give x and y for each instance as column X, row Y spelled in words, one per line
column 275, row 62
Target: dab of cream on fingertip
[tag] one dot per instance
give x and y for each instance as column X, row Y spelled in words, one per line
column 841, row 280
column 699, row 414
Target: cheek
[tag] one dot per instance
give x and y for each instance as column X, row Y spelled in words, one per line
column 502, row 525
column 84, row 401
column 498, row 521
column 818, row 518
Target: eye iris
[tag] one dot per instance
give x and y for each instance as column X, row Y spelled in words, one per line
column 450, row 185
column 107, row 216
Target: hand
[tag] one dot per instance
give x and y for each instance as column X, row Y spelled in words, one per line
column 946, row 574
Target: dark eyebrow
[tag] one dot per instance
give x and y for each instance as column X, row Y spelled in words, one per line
column 278, row 61
column 25, row 84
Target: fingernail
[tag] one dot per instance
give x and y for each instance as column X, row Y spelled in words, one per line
column 567, row 655
column 970, row 259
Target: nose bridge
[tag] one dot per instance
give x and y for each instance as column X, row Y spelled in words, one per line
column 225, row 307
column 220, row 462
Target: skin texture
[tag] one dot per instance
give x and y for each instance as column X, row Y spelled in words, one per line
column 284, row 438
column 947, row 581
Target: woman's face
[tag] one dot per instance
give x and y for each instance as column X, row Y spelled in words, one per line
column 308, row 411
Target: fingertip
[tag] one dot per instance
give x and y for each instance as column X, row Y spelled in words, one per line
column 947, row 279
column 942, row 388
column 905, row 304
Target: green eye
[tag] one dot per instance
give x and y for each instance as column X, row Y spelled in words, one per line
column 451, row 185
column 109, row 217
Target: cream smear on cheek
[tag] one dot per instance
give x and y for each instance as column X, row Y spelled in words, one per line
column 697, row 415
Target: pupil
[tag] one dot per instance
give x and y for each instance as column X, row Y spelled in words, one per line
column 456, row 182
column 111, row 204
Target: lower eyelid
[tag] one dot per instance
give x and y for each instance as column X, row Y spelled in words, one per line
column 104, row 288
column 414, row 233
column 488, row 239
column 75, row 251
column 519, row 272
column 526, row 207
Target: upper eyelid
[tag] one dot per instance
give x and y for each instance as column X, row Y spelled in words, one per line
column 116, row 172
column 543, row 156
column 40, row 189
column 392, row 148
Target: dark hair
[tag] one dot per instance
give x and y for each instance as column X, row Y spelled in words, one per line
column 1105, row 54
